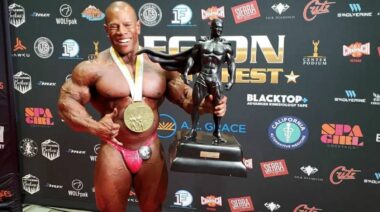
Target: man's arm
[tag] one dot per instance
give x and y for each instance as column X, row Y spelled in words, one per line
column 74, row 95
column 231, row 67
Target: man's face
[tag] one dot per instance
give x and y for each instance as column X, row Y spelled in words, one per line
column 217, row 29
column 123, row 30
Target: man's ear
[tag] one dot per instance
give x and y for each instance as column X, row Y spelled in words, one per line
column 105, row 28
column 138, row 27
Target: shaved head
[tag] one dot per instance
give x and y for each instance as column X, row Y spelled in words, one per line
column 118, row 6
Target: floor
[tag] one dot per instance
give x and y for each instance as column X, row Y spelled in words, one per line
column 38, row 208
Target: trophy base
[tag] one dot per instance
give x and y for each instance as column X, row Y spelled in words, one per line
column 203, row 156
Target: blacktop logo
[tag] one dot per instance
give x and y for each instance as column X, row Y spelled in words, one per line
column 167, row 126
column 288, row 132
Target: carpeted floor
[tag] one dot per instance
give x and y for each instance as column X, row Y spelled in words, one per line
column 38, row 208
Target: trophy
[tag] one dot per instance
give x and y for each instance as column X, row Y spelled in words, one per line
column 203, row 152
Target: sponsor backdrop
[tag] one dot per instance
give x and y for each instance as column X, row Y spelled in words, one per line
column 305, row 105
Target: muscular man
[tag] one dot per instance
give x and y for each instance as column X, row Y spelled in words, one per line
column 212, row 53
column 102, row 83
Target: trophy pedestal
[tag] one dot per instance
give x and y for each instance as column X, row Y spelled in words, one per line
column 203, row 156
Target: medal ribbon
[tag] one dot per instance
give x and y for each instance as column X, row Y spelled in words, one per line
column 136, row 85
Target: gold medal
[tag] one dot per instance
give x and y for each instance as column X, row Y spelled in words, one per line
column 138, row 117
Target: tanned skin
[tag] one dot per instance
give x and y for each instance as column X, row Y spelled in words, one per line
column 101, row 83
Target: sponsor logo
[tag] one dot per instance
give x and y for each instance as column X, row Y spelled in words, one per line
column 65, row 10
column 50, row 149
column 96, row 151
column 342, row 135
column 226, row 127
column 351, row 97
column 5, row 194
column 288, row 132
column 248, row 163
column 356, row 50
column 28, row 147
column 376, row 99
column 378, row 137
column 314, row 8
column 310, row 172
column 77, row 185
column 53, row 186
column 183, row 199
column 92, row 57
column 16, row 15
column 22, row 82
column 30, row 184
column 19, row 49
column 306, row 208
column 272, row 206
column 241, row 204
column 341, row 173
column 40, row 15
column 213, row 13
column 132, row 197
column 2, row 146
column 211, row 201
column 43, row 47
column 182, row 15
column 291, row 77
column 38, row 116
column 76, row 152
column 245, row 12
column 375, row 181
column 150, row 14
column 274, row 168
column 167, row 127
column 277, row 100
column 280, row 9
column 315, row 59
column 92, row 13
column 356, row 12
column 70, row 49
column 47, row 84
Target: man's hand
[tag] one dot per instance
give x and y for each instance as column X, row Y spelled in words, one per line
column 219, row 109
column 228, row 86
column 107, row 129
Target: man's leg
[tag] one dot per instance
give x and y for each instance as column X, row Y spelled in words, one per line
column 199, row 93
column 112, row 180
column 151, row 181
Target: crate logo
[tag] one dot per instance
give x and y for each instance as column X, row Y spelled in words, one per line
column 274, row 168
column 241, row 204
column 272, row 206
column 277, row 100
column 211, row 201
column 212, row 13
column 167, row 127
column 288, row 132
column 65, row 10
column 30, row 184
column 356, row 50
column 77, row 186
column 92, row 13
column 43, row 47
column 38, row 116
column 28, row 147
column 342, row 134
column 376, row 99
column 245, row 12
column 22, row 82
column 306, row 208
column 314, row 8
column 182, row 15
column 315, row 59
column 16, row 15
column 50, row 149
column 70, row 50
column 150, row 14
column 341, row 173
column 183, row 199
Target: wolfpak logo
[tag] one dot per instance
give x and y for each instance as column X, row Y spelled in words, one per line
column 38, row 116
column 167, row 127
column 342, row 134
column 22, row 82
column 16, row 15
column 314, row 8
column 288, row 132
column 96, row 152
column 65, row 10
column 92, row 13
column 274, row 168
column 355, row 12
column 245, row 12
column 341, row 173
column 277, row 100
column 211, row 201
column 77, row 185
column 241, row 204
column 306, row 208
column 213, row 13
column 356, row 50
column 30, row 184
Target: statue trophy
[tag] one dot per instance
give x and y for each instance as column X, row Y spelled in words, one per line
column 202, row 152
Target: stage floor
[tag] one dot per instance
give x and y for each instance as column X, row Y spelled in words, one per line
column 39, row 208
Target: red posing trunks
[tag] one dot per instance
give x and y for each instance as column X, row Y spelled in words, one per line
column 132, row 158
